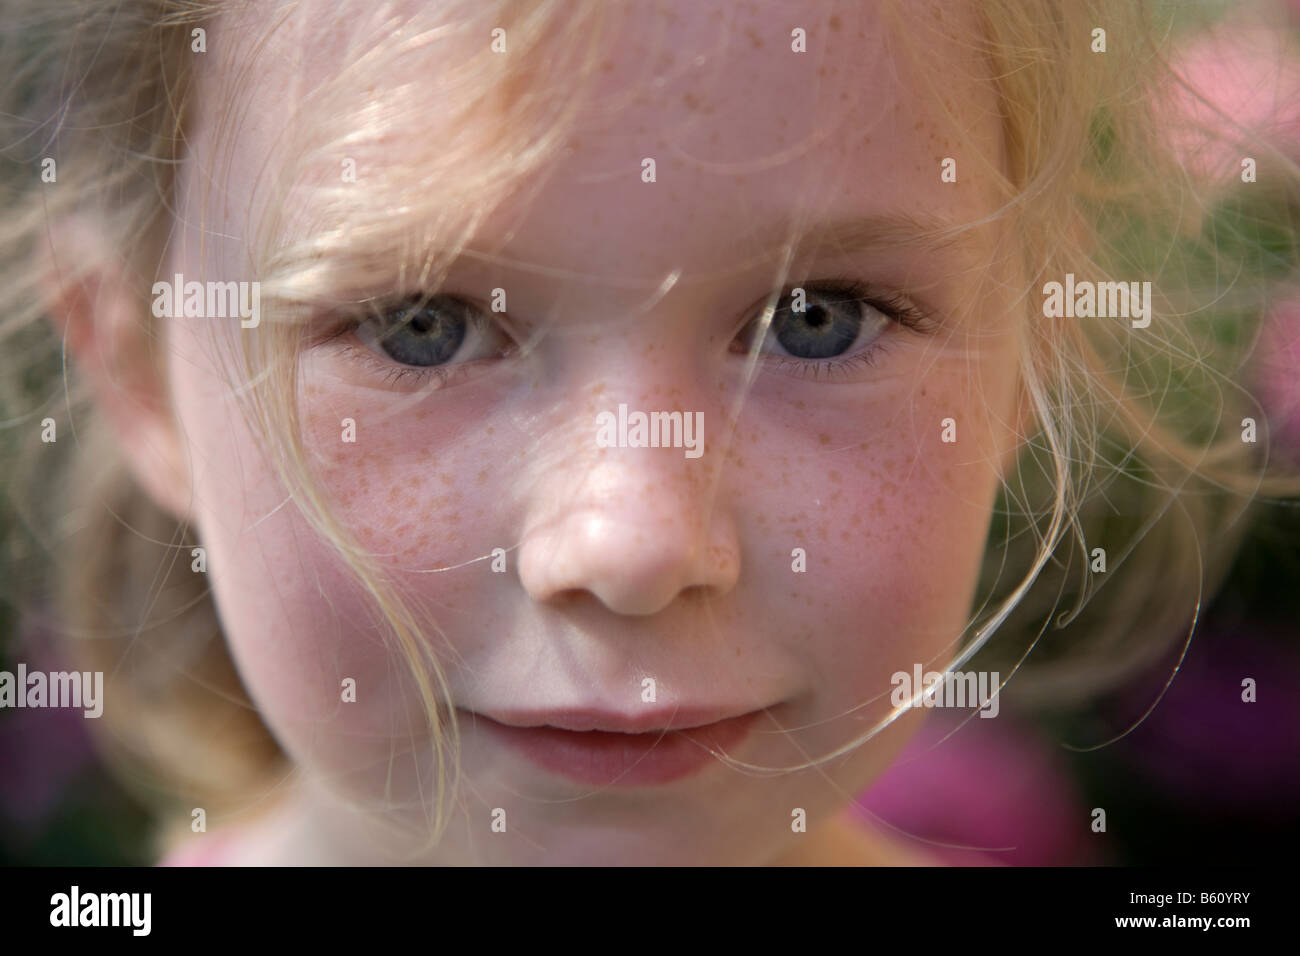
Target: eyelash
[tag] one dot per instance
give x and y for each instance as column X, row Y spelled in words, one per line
column 894, row 305
column 412, row 376
column 897, row 307
column 393, row 373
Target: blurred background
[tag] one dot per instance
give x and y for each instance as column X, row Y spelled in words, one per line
column 1205, row 778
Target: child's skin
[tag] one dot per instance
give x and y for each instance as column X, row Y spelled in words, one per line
column 623, row 563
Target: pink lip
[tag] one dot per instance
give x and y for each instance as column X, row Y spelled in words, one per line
column 604, row 749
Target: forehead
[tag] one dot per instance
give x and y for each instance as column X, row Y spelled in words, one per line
column 757, row 116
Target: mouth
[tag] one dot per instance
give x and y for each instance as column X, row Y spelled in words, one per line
column 622, row 750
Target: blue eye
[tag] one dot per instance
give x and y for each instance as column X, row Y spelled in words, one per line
column 424, row 332
column 829, row 329
column 821, row 321
column 822, row 324
column 421, row 341
column 820, row 330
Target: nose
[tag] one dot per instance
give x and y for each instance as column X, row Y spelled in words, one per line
column 633, row 527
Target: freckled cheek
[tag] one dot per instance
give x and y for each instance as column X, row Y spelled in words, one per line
column 893, row 551
column 295, row 619
column 416, row 484
column 300, row 626
column 908, row 586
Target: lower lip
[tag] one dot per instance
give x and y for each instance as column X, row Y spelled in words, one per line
column 601, row 758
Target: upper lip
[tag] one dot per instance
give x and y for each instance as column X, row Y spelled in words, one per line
column 582, row 720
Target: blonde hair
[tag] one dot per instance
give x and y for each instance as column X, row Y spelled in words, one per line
column 1091, row 184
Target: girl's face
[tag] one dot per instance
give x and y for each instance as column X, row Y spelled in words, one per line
column 821, row 534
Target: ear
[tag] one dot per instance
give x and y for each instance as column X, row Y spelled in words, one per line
column 96, row 302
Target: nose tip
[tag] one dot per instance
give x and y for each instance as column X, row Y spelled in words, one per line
column 632, row 565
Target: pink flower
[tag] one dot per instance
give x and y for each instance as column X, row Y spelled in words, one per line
column 995, row 786
column 1278, row 371
column 1252, row 83
column 41, row 750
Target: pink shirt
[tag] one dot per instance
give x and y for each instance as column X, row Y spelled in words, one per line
column 208, row 849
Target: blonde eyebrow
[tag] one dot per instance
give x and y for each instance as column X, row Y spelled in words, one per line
column 883, row 230
column 844, row 236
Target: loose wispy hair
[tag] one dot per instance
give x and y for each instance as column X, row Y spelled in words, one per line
column 1134, row 446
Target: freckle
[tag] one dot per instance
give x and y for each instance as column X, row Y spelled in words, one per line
column 834, row 24
column 691, row 100
column 490, row 429
column 447, row 479
column 835, row 477
column 823, row 438
column 482, row 476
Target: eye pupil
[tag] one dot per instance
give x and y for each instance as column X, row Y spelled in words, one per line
column 823, row 330
column 426, row 334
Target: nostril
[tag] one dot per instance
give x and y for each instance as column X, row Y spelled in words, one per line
column 569, row 599
column 699, row 593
